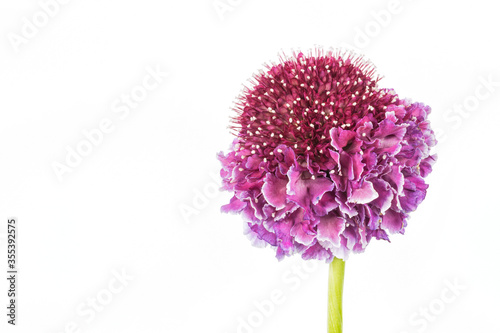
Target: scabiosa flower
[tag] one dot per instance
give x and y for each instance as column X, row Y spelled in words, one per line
column 324, row 160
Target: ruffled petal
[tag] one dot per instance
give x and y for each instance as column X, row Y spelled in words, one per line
column 414, row 193
column 345, row 140
column 395, row 178
column 389, row 136
column 426, row 165
column 345, row 207
column 329, row 229
column 283, row 237
column 316, row 251
column 326, row 204
column 306, row 191
column 274, row 190
column 299, row 232
column 385, row 195
column 235, row 206
column 392, row 221
column 262, row 234
column 364, row 194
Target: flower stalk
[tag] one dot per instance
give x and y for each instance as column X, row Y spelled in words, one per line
column 335, row 290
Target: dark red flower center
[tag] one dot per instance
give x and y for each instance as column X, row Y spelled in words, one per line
column 299, row 100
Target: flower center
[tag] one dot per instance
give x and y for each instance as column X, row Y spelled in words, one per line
column 298, row 101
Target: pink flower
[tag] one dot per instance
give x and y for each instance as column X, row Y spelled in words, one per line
column 324, row 160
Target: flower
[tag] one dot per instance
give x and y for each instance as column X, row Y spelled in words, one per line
column 324, row 160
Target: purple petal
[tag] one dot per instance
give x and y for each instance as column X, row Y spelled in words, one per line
column 373, row 218
column 344, row 206
column 341, row 252
column 263, row 234
column 253, row 162
column 248, row 214
column 389, row 136
column 395, row 178
column 426, row 165
column 285, row 242
column 326, row 204
column 414, row 193
column 364, row 131
column 329, row 229
column 290, row 207
column 258, row 206
column 306, row 191
column 317, row 251
column 347, row 165
column 392, row 221
column 274, row 190
column 350, row 235
column 364, row 194
column 357, row 166
column 252, row 236
column 345, row 140
column 370, row 158
column 398, row 111
column 385, row 195
column 301, row 236
column 285, row 157
column 234, row 206
column 379, row 234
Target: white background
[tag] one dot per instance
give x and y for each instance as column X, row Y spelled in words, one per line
column 119, row 209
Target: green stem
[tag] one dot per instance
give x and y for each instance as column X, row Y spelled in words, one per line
column 335, row 288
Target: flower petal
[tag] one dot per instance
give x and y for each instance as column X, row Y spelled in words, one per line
column 364, row 194
column 329, row 229
column 234, row 206
column 301, row 236
column 305, row 191
column 263, row 234
column 345, row 140
column 385, row 195
column 274, row 190
column 326, row 204
column 426, row 165
column 414, row 190
column 316, row 251
column 389, row 136
column 392, row 221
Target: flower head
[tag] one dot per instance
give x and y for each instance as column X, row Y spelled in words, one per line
column 324, row 160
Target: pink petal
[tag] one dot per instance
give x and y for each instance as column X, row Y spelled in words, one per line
column 329, row 229
column 392, row 221
column 306, row 191
column 274, row 190
column 385, row 195
column 234, row 206
column 363, row 195
column 301, row 236
column 345, row 140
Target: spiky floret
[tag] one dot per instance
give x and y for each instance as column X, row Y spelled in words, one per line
column 299, row 100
